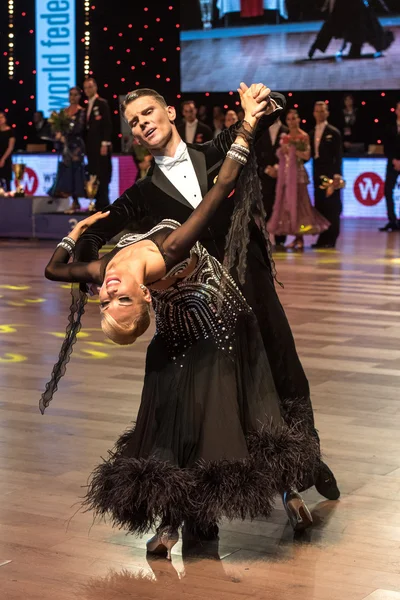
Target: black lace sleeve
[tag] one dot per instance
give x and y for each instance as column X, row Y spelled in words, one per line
column 58, row 269
column 176, row 247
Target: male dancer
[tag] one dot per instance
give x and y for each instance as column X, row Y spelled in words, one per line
column 174, row 186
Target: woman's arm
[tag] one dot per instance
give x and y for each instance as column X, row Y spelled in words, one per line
column 59, row 268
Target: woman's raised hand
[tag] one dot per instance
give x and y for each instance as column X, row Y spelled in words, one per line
column 83, row 225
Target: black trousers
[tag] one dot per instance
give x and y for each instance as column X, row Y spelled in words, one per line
column 268, row 186
column 101, row 167
column 331, row 209
column 390, row 184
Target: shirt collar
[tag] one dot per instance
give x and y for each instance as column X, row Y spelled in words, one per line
column 322, row 125
column 194, row 124
column 181, row 154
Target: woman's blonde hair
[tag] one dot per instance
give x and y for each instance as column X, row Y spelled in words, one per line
column 128, row 330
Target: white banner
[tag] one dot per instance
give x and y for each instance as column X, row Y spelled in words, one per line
column 55, row 53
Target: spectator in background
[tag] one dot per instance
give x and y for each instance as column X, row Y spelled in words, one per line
column 98, row 141
column 7, row 144
column 202, row 114
column 350, row 124
column 191, row 130
column 70, row 178
column 391, row 142
column 293, row 213
column 240, row 114
column 230, row 118
column 326, row 150
column 218, row 120
column 267, row 160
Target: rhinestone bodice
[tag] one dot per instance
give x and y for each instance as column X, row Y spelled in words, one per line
column 204, row 305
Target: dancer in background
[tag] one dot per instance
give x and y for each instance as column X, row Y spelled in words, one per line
column 70, row 177
column 202, row 448
column 354, row 22
column 293, row 213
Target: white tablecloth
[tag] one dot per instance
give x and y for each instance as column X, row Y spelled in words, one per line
column 228, row 6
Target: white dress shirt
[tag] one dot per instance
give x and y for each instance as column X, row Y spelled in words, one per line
column 180, row 171
column 190, row 131
column 319, row 132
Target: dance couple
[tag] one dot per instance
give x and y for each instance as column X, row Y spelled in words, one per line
column 225, row 422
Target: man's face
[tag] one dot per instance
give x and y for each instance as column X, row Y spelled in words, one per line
column 189, row 112
column 398, row 111
column 230, row 118
column 150, row 122
column 90, row 88
column 321, row 113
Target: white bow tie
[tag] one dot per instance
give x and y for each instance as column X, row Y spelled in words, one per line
column 169, row 162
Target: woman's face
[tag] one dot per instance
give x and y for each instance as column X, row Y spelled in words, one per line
column 120, row 295
column 292, row 120
column 3, row 120
column 348, row 101
column 74, row 97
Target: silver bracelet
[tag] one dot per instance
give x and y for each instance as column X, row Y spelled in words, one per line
column 241, row 149
column 69, row 240
column 66, row 247
column 239, row 158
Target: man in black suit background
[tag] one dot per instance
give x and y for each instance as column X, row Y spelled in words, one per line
column 326, row 150
column 176, row 183
column 391, row 144
column 191, row 130
column 267, row 160
column 98, row 141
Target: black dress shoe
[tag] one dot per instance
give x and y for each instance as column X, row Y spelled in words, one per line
column 390, row 227
column 326, row 484
column 312, row 51
column 297, row 511
column 322, row 246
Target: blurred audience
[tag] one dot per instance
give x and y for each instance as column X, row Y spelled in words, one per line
column 230, row 118
column 191, row 129
column 218, row 120
column 7, row 144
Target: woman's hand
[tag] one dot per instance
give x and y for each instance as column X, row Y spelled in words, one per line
column 254, row 101
column 2, row 163
column 272, row 171
column 88, row 222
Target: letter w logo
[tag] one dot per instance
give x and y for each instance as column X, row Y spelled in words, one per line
column 368, row 189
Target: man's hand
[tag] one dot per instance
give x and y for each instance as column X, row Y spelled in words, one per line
column 260, row 93
column 272, row 171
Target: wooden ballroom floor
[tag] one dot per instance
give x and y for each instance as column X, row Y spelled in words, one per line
column 344, row 307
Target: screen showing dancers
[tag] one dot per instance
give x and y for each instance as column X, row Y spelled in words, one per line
column 309, row 45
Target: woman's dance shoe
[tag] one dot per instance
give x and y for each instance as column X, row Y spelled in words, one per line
column 297, row 244
column 163, row 541
column 297, row 511
column 326, row 484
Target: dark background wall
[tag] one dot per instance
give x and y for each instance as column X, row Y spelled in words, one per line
column 136, row 44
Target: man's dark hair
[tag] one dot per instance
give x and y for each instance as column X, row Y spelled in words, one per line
column 90, row 79
column 186, row 102
column 139, row 93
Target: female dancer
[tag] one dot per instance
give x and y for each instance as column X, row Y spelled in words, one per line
column 70, row 178
column 293, row 212
column 210, row 440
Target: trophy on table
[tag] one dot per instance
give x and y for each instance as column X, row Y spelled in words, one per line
column 92, row 187
column 19, row 170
